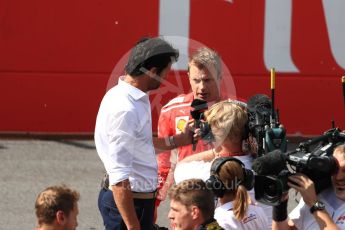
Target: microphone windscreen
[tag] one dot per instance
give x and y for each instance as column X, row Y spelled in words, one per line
column 259, row 103
column 198, row 107
column 198, row 102
column 271, row 163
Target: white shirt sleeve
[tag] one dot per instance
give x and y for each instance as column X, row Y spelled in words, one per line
column 121, row 137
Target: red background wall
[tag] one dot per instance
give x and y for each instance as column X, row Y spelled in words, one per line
column 56, row 59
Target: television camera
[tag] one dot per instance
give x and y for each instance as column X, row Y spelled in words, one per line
column 274, row 168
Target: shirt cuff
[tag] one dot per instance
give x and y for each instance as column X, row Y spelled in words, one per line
column 116, row 177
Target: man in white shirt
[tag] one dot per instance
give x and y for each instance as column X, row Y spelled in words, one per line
column 123, row 138
column 325, row 210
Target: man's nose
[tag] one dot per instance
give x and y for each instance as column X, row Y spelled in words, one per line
column 170, row 216
column 202, row 85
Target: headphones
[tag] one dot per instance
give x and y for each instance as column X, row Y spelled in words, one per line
column 218, row 187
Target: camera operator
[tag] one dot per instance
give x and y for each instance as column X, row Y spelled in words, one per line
column 325, row 210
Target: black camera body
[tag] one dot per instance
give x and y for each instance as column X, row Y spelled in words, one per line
column 318, row 164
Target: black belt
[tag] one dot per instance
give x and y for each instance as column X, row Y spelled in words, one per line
column 144, row 195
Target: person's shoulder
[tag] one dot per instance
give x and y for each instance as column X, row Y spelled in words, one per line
column 227, row 207
column 255, row 215
column 247, row 160
column 256, row 209
column 123, row 103
column 179, row 99
column 114, row 92
column 183, row 100
column 226, row 218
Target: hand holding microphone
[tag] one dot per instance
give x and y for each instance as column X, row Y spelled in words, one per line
column 198, row 108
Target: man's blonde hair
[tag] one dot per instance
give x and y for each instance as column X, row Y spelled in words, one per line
column 205, row 58
column 227, row 120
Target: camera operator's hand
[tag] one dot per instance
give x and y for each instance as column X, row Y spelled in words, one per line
column 305, row 186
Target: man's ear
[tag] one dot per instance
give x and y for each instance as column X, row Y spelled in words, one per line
column 60, row 217
column 195, row 212
column 149, row 72
column 153, row 70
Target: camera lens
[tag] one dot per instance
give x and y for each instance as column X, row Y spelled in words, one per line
column 271, row 189
column 268, row 189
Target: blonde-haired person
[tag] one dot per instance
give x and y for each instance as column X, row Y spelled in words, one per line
column 228, row 121
column 229, row 181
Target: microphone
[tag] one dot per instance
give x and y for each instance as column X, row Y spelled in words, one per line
column 198, row 108
column 259, row 103
column 259, row 108
column 271, row 163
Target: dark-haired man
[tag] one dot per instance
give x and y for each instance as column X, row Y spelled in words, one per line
column 123, row 138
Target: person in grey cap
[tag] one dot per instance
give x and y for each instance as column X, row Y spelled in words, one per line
column 124, row 142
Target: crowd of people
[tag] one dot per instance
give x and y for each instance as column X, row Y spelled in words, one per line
column 213, row 179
